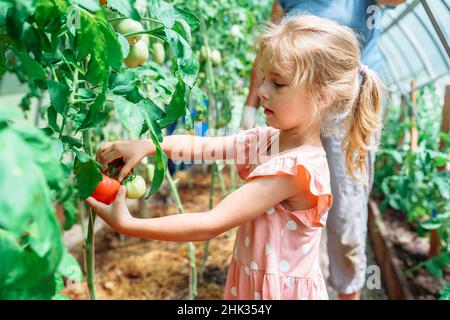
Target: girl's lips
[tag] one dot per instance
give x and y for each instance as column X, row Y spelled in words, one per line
column 267, row 112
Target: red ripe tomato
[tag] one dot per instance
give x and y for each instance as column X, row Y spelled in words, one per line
column 106, row 190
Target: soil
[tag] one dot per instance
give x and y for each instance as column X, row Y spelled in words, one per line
column 411, row 250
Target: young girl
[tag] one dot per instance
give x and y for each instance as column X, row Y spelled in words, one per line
column 311, row 72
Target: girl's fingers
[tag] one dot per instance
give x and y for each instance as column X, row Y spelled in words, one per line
column 121, row 194
column 110, row 157
column 126, row 169
column 106, row 147
column 97, row 206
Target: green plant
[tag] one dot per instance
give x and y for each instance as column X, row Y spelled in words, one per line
column 30, row 236
column 69, row 50
column 412, row 181
column 445, row 293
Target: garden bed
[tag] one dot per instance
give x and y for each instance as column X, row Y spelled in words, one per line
column 398, row 248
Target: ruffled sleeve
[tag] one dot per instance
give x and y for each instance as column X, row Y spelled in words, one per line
column 318, row 180
column 250, row 146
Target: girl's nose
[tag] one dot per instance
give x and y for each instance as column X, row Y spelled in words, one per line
column 262, row 91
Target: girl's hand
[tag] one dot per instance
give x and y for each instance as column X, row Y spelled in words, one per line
column 116, row 214
column 130, row 151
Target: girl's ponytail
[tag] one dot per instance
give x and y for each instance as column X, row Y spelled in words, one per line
column 366, row 122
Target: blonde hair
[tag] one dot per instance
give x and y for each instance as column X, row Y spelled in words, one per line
column 325, row 57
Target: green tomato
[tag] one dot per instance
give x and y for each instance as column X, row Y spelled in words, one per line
column 138, row 55
column 205, row 51
column 158, row 52
column 215, row 57
column 146, row 39
column 128, row 26
column 144, row 161
column 136, row 187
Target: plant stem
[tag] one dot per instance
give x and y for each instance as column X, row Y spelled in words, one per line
column 233, row 178
column 90, row 254
column 89, row 243
column 221, row 182
column 149, row 32
column 71, row 101
column 210, row 79
column 211, row 204
column 191, row 247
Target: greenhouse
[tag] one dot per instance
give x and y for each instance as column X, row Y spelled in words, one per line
column 224, row 150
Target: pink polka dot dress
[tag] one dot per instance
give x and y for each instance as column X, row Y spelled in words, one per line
column 276, row 255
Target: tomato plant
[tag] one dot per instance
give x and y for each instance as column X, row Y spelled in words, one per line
column 69, row 51
column 30, row 236
column 410, row 181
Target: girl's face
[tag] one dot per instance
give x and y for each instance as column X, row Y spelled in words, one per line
column 286, row 106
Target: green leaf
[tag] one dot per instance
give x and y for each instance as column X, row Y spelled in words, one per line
column 123, row 82
column 96, row 113
column 87, row 175
column 439, row 158
column 431, row 224
column 154, row 112
column 59, row 96
column 71, row 142
column 160, row 162
column 130, row 115
column 52, row 119
column 49, row 10
column 443, row 186
column 60, row 296
column 445, row 293
column 164, row 12
column 32, row 68
column 10, row 113
column 41, row 153
column 177, row 106
column 90, row 5
column 192, row 20
column 124, row 7
column 92, row 41
column 434, row 268
column 21, row 181
column 30, row 236
column 188, row 65
column 113, row 46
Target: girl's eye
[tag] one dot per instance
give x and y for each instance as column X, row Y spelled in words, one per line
column 278, row 85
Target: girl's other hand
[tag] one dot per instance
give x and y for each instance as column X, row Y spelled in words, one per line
column 130, row 151
column 116, row 214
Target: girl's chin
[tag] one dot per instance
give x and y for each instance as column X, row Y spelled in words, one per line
column 271, row 122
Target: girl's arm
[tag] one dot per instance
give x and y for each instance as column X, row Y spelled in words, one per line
column 176, row 147
column 244, row 204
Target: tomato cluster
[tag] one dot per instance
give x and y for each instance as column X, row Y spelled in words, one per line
column 106, row 190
